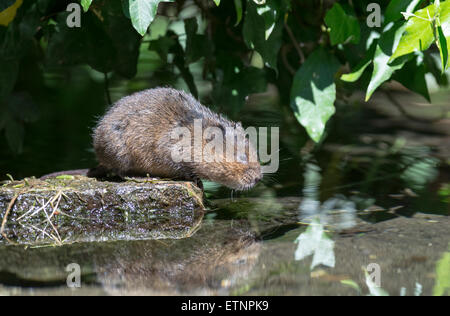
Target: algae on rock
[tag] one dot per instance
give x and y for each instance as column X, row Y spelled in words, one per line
column 68, row 209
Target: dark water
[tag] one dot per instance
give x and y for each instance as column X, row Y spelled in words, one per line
column 377, row 192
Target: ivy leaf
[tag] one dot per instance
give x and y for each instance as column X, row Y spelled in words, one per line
column 8, row 75
column 197, row 45
column 126, row 8
column 86, row 4
column 9, row 11
column 254, row 28
column 412, row 76
column 238, row 7
column 434, row 69
column 314, row 241
column 344, row 27
column 231, row 87
column 395, row 7
column 443, row 48
column 382, row 70
column 6, row 4
column 374, row 290
column 314, row 92
column 88, row 44
column 22, row 107
column 419, row 32
column 142, row 13
column 359, row 69
column 123, row 37
column 179, row 61
column 162, row 46
column 15, row 134
column 355, row 75
column 262, row 30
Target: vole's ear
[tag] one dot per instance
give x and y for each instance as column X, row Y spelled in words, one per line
column 238, row 125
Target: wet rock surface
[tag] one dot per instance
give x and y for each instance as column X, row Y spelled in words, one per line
column 251, row 256
column 407, row 251
column 69, row 209
column 211, row 261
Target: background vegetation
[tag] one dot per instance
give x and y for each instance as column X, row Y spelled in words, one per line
column 314, row 52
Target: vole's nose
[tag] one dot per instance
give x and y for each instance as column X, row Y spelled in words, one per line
column 258, row 178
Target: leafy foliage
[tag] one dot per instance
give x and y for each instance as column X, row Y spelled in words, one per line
column 222, row 51
column 314, row 91
column 343, row 27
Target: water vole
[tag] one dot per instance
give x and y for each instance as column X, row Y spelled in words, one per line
column 135, row 137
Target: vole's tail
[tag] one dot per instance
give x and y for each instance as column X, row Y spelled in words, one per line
column 97, row 172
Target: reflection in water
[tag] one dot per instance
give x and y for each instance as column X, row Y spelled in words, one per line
column 420, row 167
column 339, row 205
column 442, row 285
column 315, row 242
column 374, row 289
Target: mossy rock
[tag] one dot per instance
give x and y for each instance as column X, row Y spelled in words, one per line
column 67, row 209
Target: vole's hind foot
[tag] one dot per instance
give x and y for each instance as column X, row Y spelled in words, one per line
column 98, row 172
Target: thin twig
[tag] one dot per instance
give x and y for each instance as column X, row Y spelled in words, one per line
column 5, row 217
column 284, row 51
column 43, row 206
column 295, row 43
column 32, row 227
column 54, row 228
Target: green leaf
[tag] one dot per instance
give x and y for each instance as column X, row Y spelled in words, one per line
column 443, row 48
column 142, row 13
column 344, row 27
column 314, row 92
column 197, row 45
column 162, row 46
column 412, row 76
column 383, row 71
column 8, row 75
column 89, row 44
column 22, row 107
column 314, row 241
column 18, row 38
column 111, row 44
column 362, row 65
column 126, row 8
column 231, row 88
column 14, row 133
column 65, row 177
column 434, row 69
column 351, row 284
column 395, row 7
column 238, row 7
column 217, row 2
column 374, row 290
column 254, row 28
column 86, row 4
column 419, row 32
column 353, row 76
column 263, row 30
column 6, row 4
column 123, row 37
column 179, row 61
column 442, row 286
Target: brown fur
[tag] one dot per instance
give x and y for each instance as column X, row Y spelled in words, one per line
column 133, row 138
